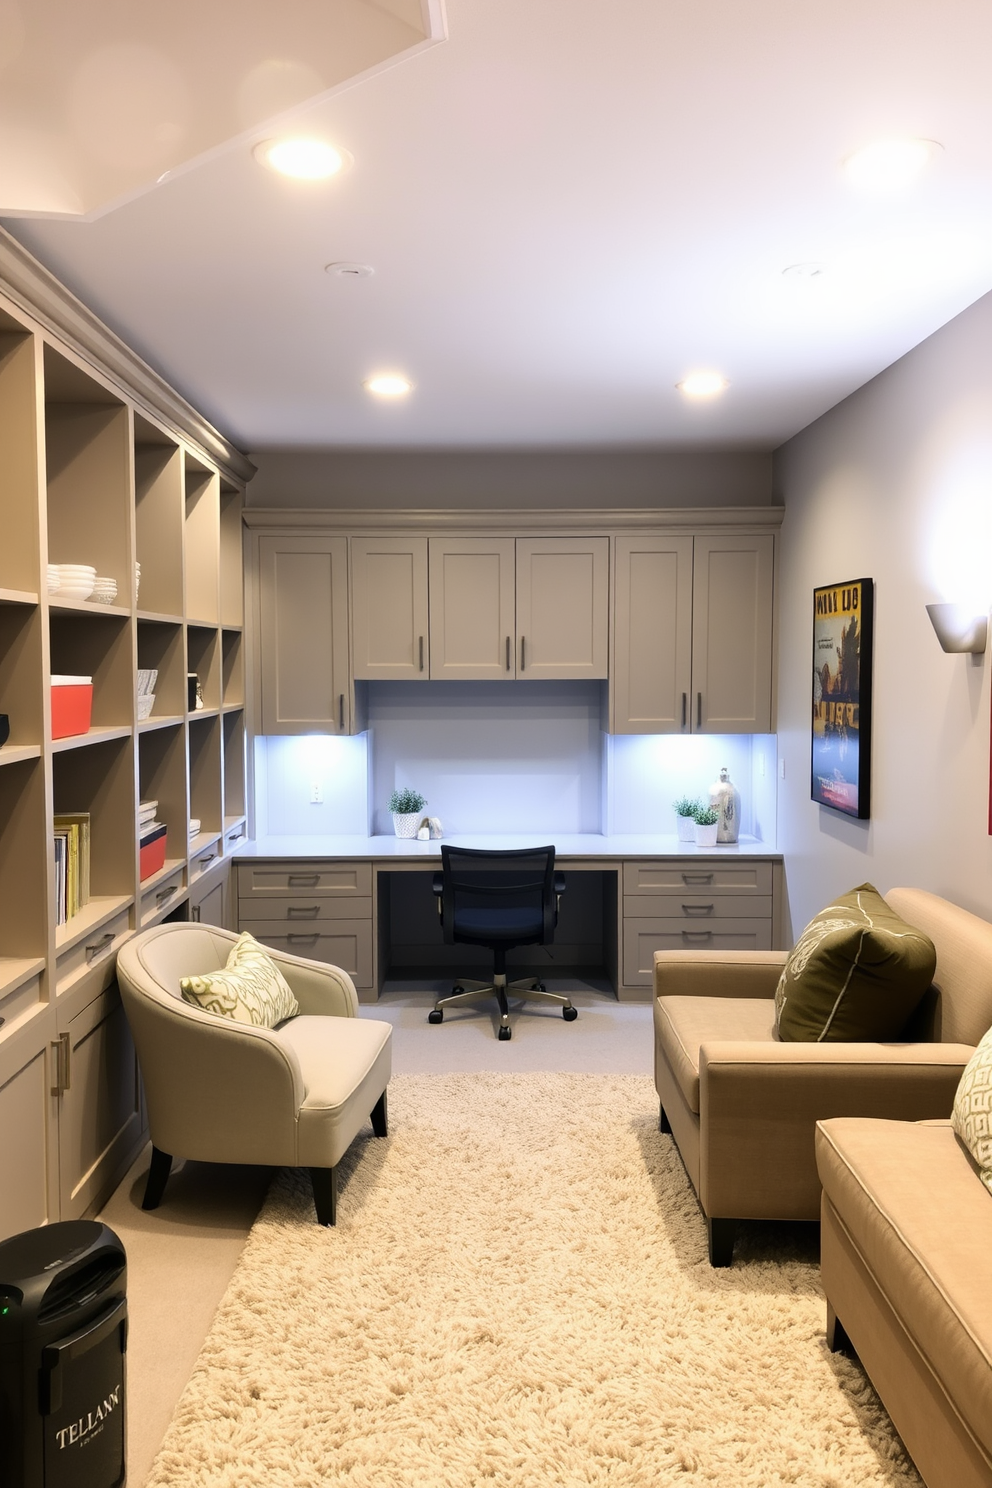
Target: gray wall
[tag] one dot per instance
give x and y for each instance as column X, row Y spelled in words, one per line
column 895, row 483
column 473, row 479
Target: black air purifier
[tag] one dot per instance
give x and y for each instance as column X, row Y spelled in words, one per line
column 63, row 1332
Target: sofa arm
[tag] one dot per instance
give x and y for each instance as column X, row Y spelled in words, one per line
column 319, row 988
column 717, row 973
column 217, row 1090
column 759, row 1105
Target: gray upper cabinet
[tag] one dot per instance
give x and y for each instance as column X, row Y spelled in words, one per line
column 732, row 610
column 563, row 607
column 472, row 605
column 692, row 640
column 389, row 615
column 303, row 640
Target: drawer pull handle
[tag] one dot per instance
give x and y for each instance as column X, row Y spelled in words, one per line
column 697, row 909
column 304, row 912
column 304, row 880
column 299, row 939
column 697, row 878
column 96, row 946
column 697, row 934
column 207, row 858
column 164, row 894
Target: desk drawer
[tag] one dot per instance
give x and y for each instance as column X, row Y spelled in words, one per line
column 676, row 875
column 344, row 943
column 302, row 912
column 304, row 880
column 691, row 906
column 641, row 938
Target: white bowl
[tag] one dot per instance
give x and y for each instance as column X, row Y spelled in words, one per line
column 81, row 570
column 75, row 591
column 146, row 701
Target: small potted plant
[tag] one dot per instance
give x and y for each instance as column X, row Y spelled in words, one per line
column 685, row 817
column 406, row 806
column 706, row 824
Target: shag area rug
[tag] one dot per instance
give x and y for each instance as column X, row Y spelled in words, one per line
column 517, row 1294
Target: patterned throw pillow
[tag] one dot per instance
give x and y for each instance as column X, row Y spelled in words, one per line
column 855, row 974
column 250, row 989
column 972, row 1114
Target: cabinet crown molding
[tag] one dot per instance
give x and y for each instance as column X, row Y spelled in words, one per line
column 552, row 520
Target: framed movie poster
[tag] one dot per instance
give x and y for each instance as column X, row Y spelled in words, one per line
column 842, row 633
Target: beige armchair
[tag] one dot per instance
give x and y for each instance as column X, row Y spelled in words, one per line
column 743, row 1107
column 220, row 1091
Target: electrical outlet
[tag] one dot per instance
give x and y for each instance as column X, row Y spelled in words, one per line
column 781, row 769
column 316, row 794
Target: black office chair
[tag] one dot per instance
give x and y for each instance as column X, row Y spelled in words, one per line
column 499, row 900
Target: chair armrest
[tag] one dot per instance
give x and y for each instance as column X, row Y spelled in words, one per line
column 759, row 1104
column 560, row 884
column 318, row 987
column 717, row 973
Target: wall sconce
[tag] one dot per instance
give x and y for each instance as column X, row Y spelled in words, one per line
column 958, row 628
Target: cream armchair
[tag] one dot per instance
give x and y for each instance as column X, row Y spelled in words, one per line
column 220, row 1091
column 743, row 1107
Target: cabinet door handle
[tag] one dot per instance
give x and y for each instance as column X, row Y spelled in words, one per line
column 303, row 880
column 194, row 914
column 523, row 642
column 299, row 939
column 341, row 712
column 421, row 653
column 302, row 912
column 96, row 946
column 698, row 909
column 508, row 653
column 699, row 710
column 63, row 1064
column 684, row 700
column 697, row 934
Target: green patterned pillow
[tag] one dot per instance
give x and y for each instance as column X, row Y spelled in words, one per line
column 855, row 974
column 250, row 989
column 972, row 1114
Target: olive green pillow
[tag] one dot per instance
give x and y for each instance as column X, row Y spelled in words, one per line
column 249, row 989
column 855, row 974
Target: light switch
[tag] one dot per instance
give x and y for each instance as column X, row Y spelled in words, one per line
column 316, row 794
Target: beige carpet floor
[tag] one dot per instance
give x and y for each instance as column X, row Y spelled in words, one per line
column 517, row 1294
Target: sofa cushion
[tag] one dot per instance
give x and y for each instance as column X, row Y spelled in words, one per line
column 249, row 989
column 857, row 972
column 682, row 1024
column 345, row 1064
column 972, row 1114
column 909, row 1196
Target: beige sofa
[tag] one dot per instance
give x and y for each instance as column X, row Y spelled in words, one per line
column 743, row 1107
column 906, row 1256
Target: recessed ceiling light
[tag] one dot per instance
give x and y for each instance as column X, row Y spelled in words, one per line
column 891, row 164
column 303, row 159
column 702, row 384
column 350, row 270
column 387, row 385
column 805, row 271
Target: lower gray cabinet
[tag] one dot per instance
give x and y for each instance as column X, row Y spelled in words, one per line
column 29, row 1122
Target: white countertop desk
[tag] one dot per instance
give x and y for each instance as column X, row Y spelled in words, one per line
column 372, row 908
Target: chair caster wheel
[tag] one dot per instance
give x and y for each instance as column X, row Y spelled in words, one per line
column 436, row 1015
column 540, row 987
column 505, row 1033
column 570, row 1014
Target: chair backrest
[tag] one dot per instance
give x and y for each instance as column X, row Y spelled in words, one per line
column 960, row 1002
column 154, row 960
column 515, row 879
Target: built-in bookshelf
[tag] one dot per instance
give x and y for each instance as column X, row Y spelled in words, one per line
column 101, row 464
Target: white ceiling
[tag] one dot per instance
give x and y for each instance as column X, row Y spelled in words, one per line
column 568, row 205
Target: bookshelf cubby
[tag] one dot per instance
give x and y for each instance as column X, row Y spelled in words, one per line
column 101, row 463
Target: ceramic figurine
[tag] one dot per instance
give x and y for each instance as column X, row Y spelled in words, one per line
column 725, row 799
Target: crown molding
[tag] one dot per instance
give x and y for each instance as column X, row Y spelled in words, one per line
column 556, row 521
column 32, row 289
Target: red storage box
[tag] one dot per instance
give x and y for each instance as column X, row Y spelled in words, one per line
column 72, row 706
column 151, row 852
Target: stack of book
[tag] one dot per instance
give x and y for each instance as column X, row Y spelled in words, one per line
column 72, row 864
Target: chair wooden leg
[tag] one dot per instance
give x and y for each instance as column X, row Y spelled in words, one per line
column 663, row 1122
column 721, row 1234
column 158, row 1177
column 325, row 1194
column 379, row 1122
column 837, row 1339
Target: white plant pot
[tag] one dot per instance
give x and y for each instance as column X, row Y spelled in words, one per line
column 406, row 823
column 706, row 836
column 686, row 826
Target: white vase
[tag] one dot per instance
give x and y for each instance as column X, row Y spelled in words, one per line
column 686, row 826
column 406, row 823
column 706, row 836
column 725, row 800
